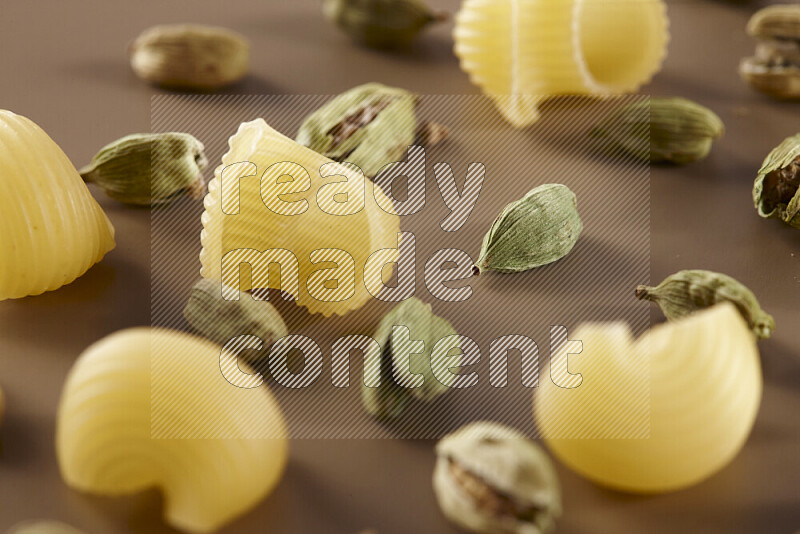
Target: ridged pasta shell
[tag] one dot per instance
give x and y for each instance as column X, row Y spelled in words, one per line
column 682, row 400
column 51, row 228
column 258, row 227
column 519, row 52
column 147, row 407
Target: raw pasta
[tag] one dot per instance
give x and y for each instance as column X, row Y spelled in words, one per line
column 51, row 229
column 522, row 51
column 660, row 413
column 43, row 527
column 332, row 226
column 147, row 407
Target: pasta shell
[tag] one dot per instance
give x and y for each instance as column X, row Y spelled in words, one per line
column 316, row 236
column 520, row 52
column 146, row 408
column 681, row 399
column 43, row 527
column 51, row 229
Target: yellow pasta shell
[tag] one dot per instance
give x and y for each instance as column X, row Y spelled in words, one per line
column 258, row 149
column 682, row 400
column 43, row 527
column 51, row 229
column 520, row 52
column 146, row 408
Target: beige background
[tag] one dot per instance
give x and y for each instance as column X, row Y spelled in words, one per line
column 63, row 65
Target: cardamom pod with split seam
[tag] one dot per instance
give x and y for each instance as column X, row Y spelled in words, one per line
column 370, row 125
column 775, row 68
column 491, row 479
column 776, row 190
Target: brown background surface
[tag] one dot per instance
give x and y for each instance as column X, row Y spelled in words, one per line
column 63, row 65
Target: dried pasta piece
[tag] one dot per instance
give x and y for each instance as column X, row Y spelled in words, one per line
column 659, row 413
column 43, row 527
column 51, row 229
column 148, row 407
column 275, row 199
column 519, row 52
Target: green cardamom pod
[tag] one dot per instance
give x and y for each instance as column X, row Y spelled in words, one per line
column 221, row 320
column 538, row 229
column 490, row 478
column 775, row 68
column 776, row 191
column 390, row 398
column 660, row 130
column 190, row 56
column 778, row 21
column 370, row 125
column 688, row 291
column 149, row 169
column 381, row 23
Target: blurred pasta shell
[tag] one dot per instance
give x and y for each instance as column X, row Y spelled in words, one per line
column 51, row 228
column 43, row 527
column 520, row 52
column 313, row 236
column 659, row 413
column 146, row 408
